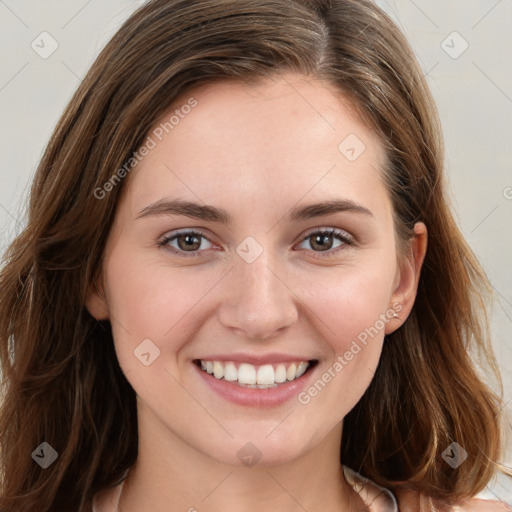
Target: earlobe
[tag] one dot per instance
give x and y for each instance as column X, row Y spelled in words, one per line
column 409, row 275
column 95, row 301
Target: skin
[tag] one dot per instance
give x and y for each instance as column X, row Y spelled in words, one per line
column 269, row 148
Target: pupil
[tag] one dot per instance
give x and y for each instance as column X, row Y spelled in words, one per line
column 190, row 241
column 320, row 241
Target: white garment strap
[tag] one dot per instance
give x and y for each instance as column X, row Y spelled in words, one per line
column 95, row 507
column 375, row 497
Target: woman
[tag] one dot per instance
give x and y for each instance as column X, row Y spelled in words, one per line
column 240, row 284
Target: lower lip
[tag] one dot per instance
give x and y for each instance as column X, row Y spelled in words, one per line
column 256, row 397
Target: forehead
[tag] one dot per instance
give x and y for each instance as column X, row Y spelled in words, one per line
column 267, row 143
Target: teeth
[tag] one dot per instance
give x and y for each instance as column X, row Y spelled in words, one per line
column 248, row 375
column 230, row 372
column 291, row 372
column 265, row 374
column 280, row 373
column 301, row 369
column 218, row 370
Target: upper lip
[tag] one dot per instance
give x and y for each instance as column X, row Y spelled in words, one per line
column 256, row 359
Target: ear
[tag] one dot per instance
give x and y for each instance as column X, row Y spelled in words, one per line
column 408, row 275
column 95, row 301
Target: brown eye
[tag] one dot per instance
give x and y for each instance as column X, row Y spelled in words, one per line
column 321, row 242
column 189, row 242
column 327, row 239
column 185, row 243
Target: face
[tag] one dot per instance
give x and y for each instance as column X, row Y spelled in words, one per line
column 254, row 240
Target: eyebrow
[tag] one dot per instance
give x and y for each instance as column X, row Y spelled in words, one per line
column 214, row 214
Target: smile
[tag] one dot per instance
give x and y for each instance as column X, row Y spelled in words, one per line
column 252, row 376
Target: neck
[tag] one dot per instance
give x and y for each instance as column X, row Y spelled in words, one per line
column 190, row 480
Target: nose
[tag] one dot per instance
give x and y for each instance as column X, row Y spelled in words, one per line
column 257, row 302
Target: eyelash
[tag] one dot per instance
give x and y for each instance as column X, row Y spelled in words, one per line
column 339, row 234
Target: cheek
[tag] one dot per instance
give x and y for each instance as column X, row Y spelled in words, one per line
column 352, row 311
column 142, row 287
column 151, row 300
column 349, row 301
column 352, row 305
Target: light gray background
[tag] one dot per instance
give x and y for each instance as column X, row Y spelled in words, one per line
column 473, row 91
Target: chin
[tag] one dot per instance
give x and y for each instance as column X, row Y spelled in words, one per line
column 250, row 449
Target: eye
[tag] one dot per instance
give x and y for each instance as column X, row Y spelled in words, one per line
column 323, row 240
column 187, row 243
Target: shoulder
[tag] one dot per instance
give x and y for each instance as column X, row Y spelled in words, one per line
column 410, row 501
column 477, row 505
column 379, row 499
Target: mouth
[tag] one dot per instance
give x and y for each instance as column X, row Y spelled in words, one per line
column 246, row 375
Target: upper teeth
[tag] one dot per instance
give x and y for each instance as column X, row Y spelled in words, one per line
column 263, row 376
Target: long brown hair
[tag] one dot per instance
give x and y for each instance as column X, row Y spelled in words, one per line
column 61, row 380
